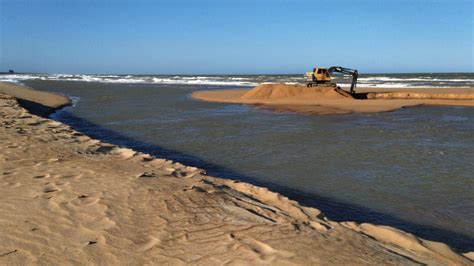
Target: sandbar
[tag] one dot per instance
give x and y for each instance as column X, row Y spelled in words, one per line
column 329, row 100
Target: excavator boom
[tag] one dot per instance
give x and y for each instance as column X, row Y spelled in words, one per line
column 347, row 71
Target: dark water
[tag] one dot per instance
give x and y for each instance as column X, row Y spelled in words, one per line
column 412, row 168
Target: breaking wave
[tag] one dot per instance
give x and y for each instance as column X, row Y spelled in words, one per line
column 376, row 81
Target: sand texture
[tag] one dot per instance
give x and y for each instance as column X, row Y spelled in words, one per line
column 70, row 199
column 327, row 100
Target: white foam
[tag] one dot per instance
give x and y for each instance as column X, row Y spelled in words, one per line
column 381, row 82
column 425, row 79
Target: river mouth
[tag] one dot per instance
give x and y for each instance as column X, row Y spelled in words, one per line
column 410, row 168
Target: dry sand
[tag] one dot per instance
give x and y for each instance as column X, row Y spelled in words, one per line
column 38, row 102
column 67, row 198
column 326, row 100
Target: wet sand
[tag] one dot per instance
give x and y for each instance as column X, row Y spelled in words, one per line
column 325, row 100
column 67, row 198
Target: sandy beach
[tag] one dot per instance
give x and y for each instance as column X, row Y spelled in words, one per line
column 325, row 100
column 67, row 198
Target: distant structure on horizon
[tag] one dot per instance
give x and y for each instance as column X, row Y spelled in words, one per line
column 11, row 71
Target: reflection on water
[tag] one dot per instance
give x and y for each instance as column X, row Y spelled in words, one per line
column 413, row 164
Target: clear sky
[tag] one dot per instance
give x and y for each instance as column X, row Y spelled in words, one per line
column 205, row 37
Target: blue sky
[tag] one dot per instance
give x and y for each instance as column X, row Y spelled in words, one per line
column 205, row 37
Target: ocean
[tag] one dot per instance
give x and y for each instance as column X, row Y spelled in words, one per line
column 411, row 168
column 413, row 80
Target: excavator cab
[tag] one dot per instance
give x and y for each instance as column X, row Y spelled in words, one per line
column 318, row 75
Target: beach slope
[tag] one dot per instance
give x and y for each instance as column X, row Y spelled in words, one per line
column 41, row 103
column 67, row 198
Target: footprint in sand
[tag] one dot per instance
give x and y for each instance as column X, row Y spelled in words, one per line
column 12, row 185
column 152, row 241
column 125, row 153
column 263, row 250
column 42, row 176
column 35, row 122
column 146, row 174
column 53, row 160
column 49, row 188
column 61, row 183
column 25, row 116
column 74, row 176
column 53, row 124
column 53, row 187
column 81, row 139
column 13, row 146
column 85, row 200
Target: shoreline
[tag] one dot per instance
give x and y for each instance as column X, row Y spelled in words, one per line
column 324, row 100
column 50, row 168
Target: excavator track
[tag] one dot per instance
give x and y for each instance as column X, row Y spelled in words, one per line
column 321, row 84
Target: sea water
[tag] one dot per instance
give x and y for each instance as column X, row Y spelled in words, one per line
column 365, row 80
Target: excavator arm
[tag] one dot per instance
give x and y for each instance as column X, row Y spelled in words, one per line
column 346, row 71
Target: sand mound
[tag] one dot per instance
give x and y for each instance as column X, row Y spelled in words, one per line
column 284, row 91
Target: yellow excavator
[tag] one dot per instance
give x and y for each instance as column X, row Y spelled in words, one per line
column 321, row 75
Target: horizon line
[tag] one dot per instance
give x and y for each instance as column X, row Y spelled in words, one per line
column 221, row 74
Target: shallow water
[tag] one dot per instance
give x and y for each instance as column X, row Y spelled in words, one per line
column 411, row 168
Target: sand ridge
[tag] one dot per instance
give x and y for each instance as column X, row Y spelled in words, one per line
column 326, row 99
column 38, row 102
column 67, row 198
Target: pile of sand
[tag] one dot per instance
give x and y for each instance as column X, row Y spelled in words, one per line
column 284, row 91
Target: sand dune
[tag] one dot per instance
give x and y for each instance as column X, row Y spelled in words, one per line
column 327, row 100
column 67, row 198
